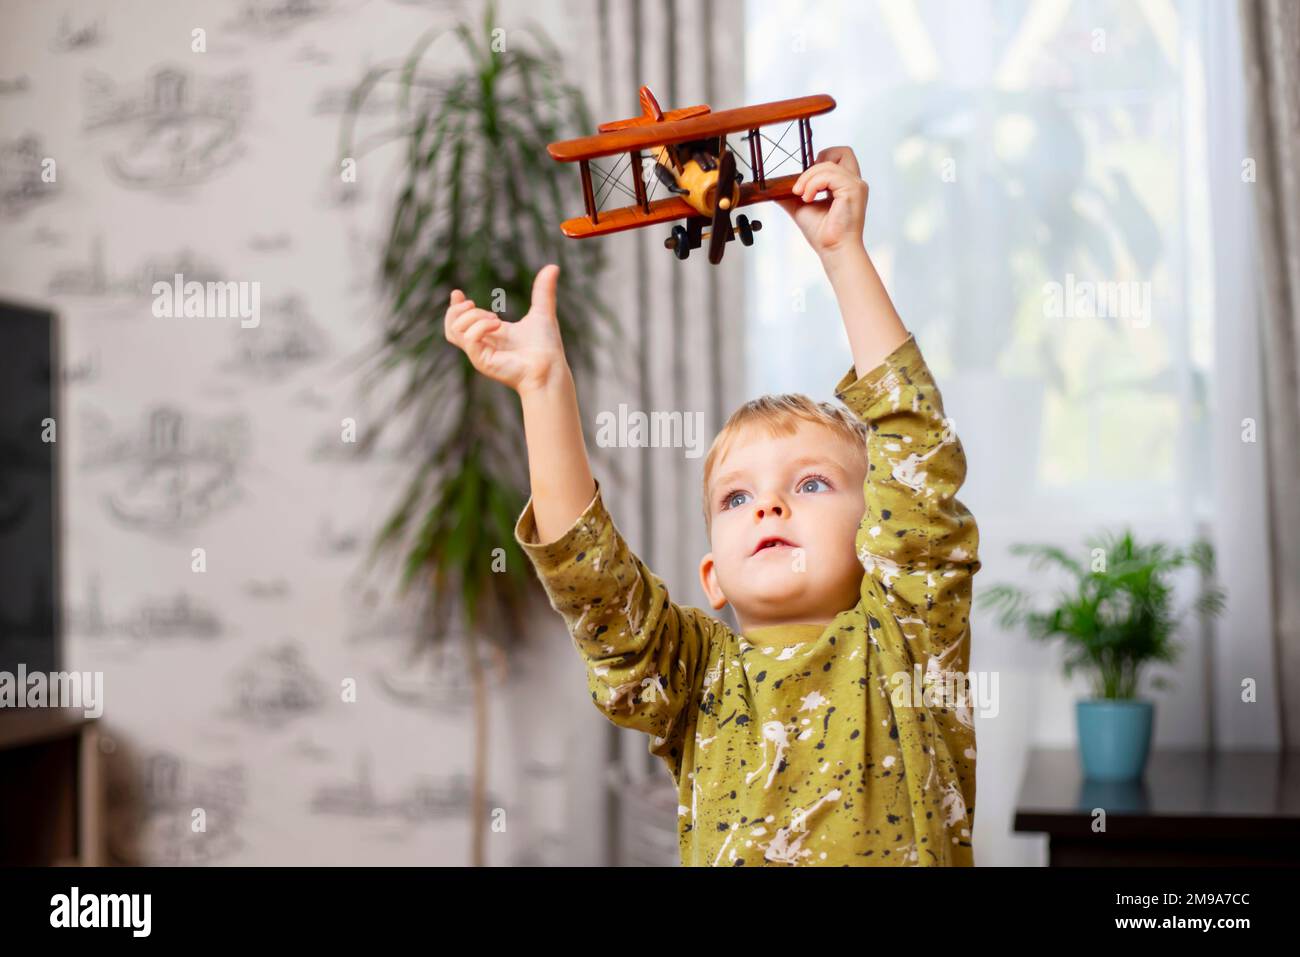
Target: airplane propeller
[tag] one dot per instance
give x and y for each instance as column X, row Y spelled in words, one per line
column 721, row 229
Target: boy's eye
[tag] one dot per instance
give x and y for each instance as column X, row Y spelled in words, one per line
column 730, row 498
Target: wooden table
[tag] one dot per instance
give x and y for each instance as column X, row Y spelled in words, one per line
column 1192, row 807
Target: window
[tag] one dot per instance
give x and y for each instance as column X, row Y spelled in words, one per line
column 1039, row 212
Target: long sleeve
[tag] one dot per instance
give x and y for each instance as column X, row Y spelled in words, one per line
column 644, row 653
column 919, row 547
column 917, row 542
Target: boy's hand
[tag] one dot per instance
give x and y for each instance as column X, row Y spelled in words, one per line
column 837, row 224
column 524, row 354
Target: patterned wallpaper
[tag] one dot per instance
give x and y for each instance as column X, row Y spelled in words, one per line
column 215, row 519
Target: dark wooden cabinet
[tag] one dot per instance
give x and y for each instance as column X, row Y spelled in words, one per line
column 1192, row 807
column 50, row 788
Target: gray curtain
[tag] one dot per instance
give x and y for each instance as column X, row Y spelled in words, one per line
column 1271, row 48
column 683, row 350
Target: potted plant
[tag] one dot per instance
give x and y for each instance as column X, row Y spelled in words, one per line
column 1117, row 619
column 478, row 206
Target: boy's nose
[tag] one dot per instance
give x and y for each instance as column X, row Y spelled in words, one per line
column 774, row 508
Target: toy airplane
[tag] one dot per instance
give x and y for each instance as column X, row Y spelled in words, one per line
column 695, row 164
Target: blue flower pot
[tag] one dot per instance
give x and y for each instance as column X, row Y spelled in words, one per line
column 1114, row 737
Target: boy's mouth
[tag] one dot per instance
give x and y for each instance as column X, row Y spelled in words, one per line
column 772, row 542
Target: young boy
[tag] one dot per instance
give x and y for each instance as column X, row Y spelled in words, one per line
column 806, row 738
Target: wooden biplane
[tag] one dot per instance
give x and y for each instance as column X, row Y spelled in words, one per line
column 695, row 166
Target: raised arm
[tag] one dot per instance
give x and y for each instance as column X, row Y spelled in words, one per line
column 528, row 356
column 919, row 548
column 833, row 228
column 558, row 469
column 917, row 541
column 643, row 653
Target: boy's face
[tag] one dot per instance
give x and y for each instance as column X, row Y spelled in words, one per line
column 805, row 488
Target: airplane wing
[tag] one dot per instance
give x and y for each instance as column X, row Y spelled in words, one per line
column 666, row 210
column 690, row 128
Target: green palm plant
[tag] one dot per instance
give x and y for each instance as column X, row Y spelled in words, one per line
column 478, row 208
column 1119, row 616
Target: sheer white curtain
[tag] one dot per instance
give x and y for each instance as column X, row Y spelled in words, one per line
column 1048, row 182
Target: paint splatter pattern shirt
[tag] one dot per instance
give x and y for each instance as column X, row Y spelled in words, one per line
column 805, row 744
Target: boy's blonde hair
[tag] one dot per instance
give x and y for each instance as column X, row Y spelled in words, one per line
column 780, row 415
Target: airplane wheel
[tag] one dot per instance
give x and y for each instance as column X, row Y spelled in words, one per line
column 681, row 242
column 745, row 229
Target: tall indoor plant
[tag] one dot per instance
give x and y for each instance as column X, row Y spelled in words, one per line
column 1118, row 619
column 478, row 208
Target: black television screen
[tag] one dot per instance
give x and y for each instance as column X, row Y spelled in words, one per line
column 29, row 574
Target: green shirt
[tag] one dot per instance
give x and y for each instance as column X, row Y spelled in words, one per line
column 805, row 744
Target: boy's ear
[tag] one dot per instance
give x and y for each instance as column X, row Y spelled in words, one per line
column 709, row 581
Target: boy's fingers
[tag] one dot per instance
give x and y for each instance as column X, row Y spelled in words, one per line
column 817, row 169
column 836, row 160
column 815, row 184
column 544, row 288
column 834, row 180
column 463, row 322
column 481, row 328
column 468, row 318
column 454, row 312
column 841, row 155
